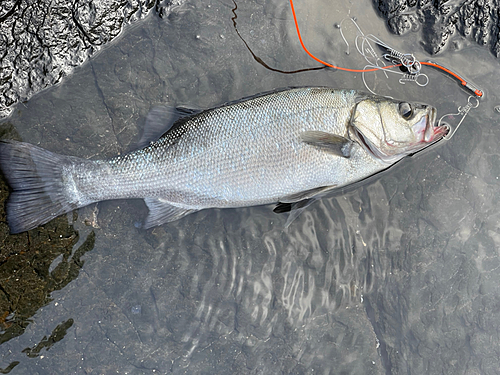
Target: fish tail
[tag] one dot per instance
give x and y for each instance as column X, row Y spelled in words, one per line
column 36, row 177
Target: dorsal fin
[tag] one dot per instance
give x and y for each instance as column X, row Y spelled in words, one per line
column 160, row 120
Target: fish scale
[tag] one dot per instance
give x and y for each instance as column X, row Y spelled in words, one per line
column 223, row 164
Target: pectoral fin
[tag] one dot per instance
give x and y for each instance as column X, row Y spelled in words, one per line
column 328, row 142
column 161, row 211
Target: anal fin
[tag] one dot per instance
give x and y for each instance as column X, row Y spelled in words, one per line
column 162, row 211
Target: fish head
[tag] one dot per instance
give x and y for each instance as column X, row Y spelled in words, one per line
column 391, row 129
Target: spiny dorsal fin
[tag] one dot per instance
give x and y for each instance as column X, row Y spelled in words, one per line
column 160, row 120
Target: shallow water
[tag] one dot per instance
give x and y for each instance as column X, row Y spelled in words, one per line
column 398, row 274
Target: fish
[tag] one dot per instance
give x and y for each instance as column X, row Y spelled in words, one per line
column 282, row 147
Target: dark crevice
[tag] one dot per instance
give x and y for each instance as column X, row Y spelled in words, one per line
column 10, row 12
column 384, row 356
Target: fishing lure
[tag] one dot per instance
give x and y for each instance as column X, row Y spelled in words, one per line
column 408, row 66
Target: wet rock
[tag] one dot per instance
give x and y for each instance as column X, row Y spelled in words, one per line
column 443, row 21
column 41, row 42
column 404, row 23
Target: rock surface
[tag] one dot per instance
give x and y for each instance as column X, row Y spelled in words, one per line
column 445, row 23
column 41, row 42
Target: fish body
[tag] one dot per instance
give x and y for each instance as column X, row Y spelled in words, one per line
column 285, row 147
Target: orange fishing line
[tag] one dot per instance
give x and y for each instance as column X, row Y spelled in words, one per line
column 464, row 83
column 325, row 63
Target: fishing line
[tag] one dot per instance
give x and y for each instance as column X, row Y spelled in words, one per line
column 325, row 63
column 409, row 69
column 399, row 59
column 257, row 58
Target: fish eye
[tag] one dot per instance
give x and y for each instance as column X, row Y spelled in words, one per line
column 405, row 110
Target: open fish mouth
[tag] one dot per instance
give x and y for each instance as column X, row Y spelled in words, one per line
column 433, row 132
column 427, row 131
column 439, row 132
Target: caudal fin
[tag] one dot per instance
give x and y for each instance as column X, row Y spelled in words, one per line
column 36, row 177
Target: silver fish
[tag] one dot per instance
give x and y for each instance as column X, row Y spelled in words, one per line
column 281, row 147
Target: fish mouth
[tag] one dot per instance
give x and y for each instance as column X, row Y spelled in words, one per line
column 433, row 132
column 440, row 132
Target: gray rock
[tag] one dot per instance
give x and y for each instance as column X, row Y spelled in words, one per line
column 445, row 23
column 41, row 42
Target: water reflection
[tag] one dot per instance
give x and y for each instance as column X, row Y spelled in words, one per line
column 253, row 290
column 32, row 266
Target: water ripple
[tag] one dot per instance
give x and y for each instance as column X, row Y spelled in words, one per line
column 255, row 282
